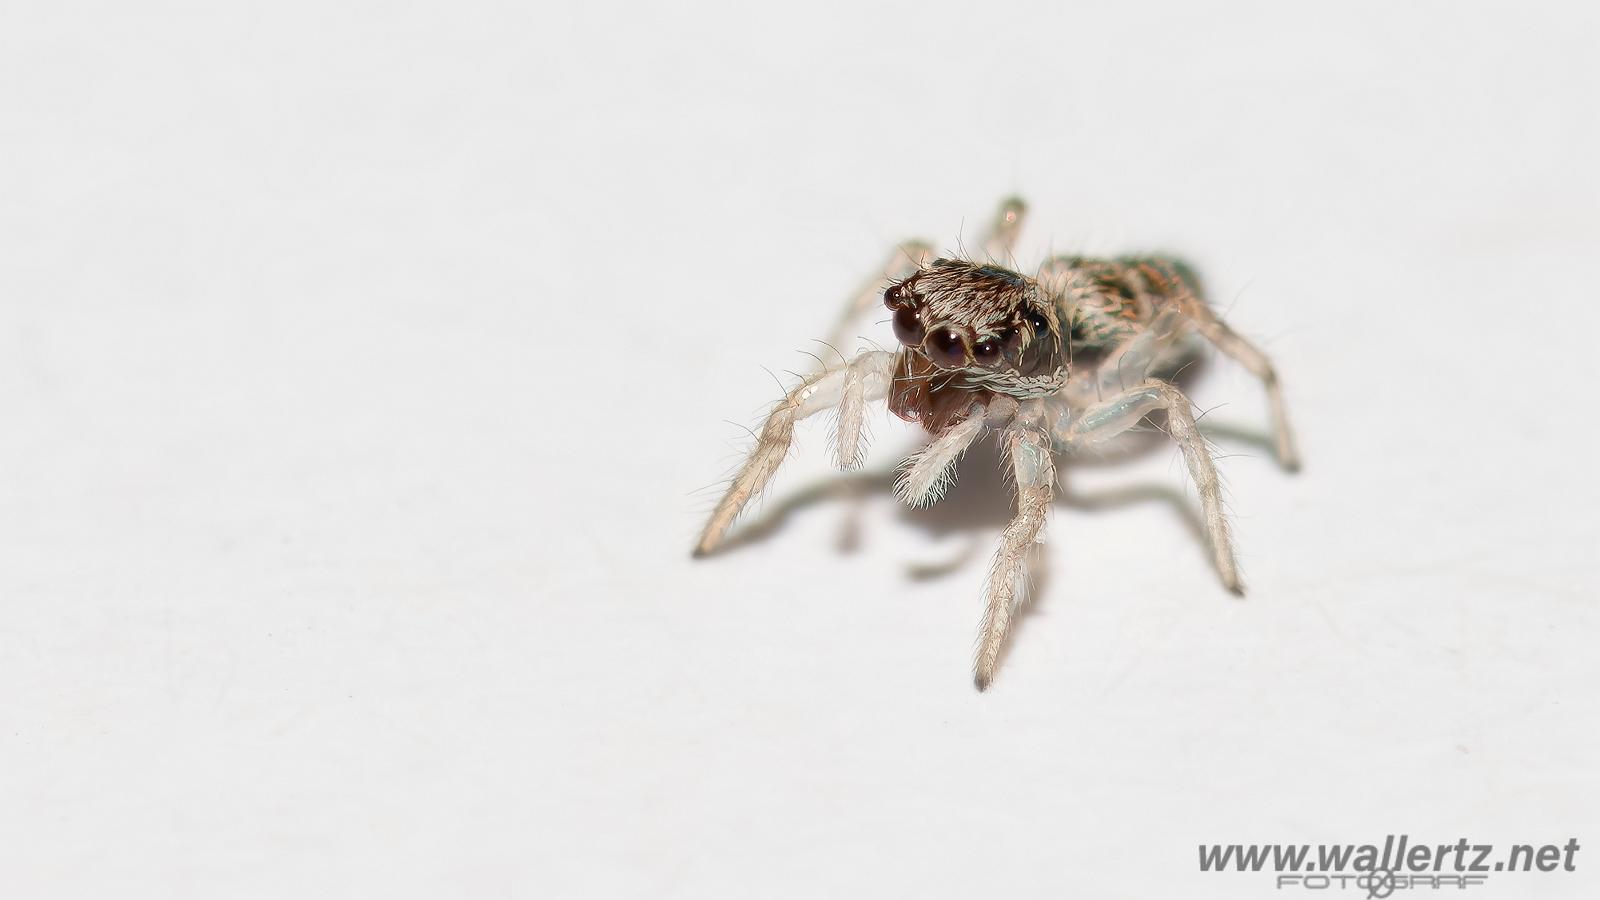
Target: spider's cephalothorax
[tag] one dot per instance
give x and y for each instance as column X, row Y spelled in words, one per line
column 1053, row 364
column 970, row 331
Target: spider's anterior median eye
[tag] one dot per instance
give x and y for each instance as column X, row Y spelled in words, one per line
column 908, row 327
column 946, row 348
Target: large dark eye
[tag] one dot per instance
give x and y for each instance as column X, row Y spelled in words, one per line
column 908, row 327
column 986, row 352
column 946, row 348
column 895, row 297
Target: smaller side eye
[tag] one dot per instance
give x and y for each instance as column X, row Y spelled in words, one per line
column 896, row 297
column 1037, row 322
column 908, row 327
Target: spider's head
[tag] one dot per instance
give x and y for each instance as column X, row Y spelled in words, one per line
column 960, row 315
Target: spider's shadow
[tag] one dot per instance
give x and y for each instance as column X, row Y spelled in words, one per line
column 979, row 504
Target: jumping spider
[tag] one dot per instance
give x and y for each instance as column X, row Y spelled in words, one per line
column 1067, row 359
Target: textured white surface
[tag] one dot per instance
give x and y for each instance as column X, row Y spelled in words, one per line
column 363, row 372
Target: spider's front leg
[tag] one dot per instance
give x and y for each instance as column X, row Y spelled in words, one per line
column 849, row 388
column 1104, row 421
column 1027, row 446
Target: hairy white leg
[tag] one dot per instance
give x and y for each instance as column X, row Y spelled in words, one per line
column 1003, row 230
column 902, row 261
column 928, row 473
column 849, row 433
column 1245, row 353
column 870, row 371
column 1106, row 420
column 1028, row 448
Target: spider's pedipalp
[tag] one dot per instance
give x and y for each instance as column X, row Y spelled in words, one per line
column 927, row 474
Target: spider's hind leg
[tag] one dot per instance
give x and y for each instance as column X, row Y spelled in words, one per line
column 863, row 379
column 1001, row 238
column 1106, row 420
column 1225, row 339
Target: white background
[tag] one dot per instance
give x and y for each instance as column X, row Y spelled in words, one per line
column 366, row 371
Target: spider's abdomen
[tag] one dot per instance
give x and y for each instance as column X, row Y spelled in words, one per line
column 1107, row 301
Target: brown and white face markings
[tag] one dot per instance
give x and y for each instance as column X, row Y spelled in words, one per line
column 969, row 331
column 962, row 315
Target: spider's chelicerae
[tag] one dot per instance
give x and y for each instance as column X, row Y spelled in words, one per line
column 1054, row 363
